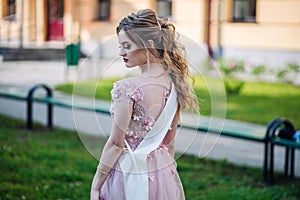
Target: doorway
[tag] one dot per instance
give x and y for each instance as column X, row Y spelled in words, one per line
column 55, row 10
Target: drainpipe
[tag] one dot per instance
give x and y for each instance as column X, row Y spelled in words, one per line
column 207, row 36
column 21, row 24
column 220, row 48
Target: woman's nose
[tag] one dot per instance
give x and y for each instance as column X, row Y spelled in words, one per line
column 122, row 52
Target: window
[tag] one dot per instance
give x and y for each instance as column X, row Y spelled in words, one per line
column 11, row 10
column 11, row 7
column 244, row 10
column 103, row 10
column 164, row 8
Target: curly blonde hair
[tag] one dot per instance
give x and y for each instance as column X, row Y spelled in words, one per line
column 145, row 25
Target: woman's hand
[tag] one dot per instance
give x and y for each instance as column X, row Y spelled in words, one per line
column 95, row 189
column 109, row 157
column 95, row 194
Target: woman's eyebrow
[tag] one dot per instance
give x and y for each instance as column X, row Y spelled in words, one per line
column 122, row 43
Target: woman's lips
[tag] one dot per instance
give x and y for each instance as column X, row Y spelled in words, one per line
column 125, row 60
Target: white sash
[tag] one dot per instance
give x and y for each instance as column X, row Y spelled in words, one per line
column 134, row 163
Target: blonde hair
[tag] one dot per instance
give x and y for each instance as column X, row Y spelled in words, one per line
column 145, row 25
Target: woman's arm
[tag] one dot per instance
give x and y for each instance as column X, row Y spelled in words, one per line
column 109, row 157
column 169, row 139
column 113, row 147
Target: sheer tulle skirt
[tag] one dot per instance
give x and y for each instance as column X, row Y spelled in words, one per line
column 164, row 181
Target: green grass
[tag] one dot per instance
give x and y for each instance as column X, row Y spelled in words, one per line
column 53, row 164
column 44, row 164
column 259, row 102
column 94, row 89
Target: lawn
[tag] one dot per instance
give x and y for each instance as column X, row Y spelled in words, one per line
column 53, row 164
column 258, row 102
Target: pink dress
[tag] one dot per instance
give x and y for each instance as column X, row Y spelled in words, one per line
column 147, row 101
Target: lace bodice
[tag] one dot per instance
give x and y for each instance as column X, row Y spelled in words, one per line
column 146, row 101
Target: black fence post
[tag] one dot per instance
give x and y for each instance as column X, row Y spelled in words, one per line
column 277, row 124
column 30, row 105
column 268, row 148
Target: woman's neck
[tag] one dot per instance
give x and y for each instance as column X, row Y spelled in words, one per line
column 152, row 69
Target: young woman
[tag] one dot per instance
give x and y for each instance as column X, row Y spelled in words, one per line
column 137, row 161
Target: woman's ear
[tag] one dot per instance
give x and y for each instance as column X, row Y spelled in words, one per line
column 151, row 43
column 152, row 49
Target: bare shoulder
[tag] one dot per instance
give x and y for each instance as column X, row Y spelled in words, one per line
column 146, row 84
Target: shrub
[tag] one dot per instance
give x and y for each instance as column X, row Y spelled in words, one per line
column 258, row 70
column 228, row 69
column 289, row 73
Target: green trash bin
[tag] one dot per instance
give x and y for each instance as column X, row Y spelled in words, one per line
column 72, row 54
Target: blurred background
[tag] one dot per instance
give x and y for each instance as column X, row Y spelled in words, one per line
column 261, row 32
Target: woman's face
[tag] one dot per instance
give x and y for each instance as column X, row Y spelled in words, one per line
column 131, row 53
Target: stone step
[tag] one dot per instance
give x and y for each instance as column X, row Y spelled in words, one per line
column 15, row 54
column 11, row 54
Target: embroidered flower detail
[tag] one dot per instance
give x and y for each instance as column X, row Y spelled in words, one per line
column 136, row 117
column 166, row 95
column 151, row 177
column 148, row 123
column 112, row 111
column 172, row 172
column 115, row 92
column 130, row 133
column 135, row 95
column 137, row 113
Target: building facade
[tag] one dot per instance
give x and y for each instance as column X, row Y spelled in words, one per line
column 259, row 30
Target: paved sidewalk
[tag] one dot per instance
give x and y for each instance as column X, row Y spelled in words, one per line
column 22, row 75
column 28, row 73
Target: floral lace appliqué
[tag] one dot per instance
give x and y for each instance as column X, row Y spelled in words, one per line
column 115, row 92
column 148, row 123
column 141, row 122
column 136, row 94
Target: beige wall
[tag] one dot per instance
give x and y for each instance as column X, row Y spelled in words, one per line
column 277, row 27
column 189, row 18
column 2, row 8
column 41, row 27
column 92, row 29
column 261, row 36
column 279, row 11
